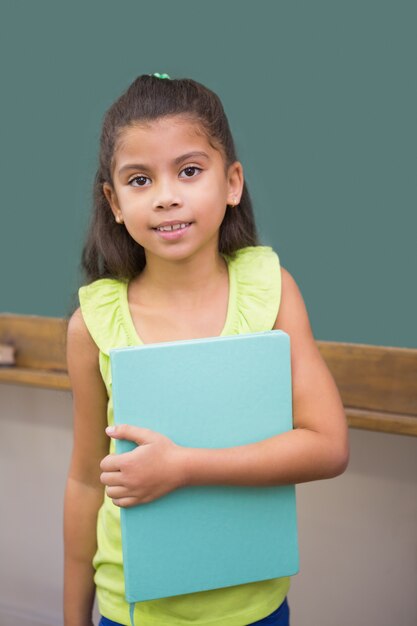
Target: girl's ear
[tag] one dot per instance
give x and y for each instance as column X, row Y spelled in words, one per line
column 111, row 198
column 235, row 180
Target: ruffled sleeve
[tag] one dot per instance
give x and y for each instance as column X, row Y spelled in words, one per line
column 255, row 275
column 100, row 304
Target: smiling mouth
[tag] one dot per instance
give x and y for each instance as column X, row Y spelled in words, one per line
column 172, row 227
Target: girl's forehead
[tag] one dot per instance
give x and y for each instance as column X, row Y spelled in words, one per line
column 159, row 133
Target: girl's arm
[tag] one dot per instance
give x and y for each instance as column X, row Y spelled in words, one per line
column 316, row 448
column 84, row 491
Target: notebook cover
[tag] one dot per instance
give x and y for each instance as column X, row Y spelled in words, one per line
column 210, row 393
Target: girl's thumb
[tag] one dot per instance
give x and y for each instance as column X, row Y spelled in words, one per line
column 131, row 433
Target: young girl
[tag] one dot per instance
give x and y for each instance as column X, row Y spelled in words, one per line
column 172, row 254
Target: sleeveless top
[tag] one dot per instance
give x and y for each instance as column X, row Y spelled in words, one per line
column 254, row 299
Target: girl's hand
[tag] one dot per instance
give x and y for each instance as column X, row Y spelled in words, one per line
column 148, row 472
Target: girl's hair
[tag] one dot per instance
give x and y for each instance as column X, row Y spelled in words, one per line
column 109, row 250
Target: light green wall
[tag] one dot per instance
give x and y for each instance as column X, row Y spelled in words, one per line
column 322, row 100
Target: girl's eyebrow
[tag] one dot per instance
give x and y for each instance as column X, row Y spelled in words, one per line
column 176, row 161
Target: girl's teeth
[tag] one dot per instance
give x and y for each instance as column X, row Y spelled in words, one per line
column 174, row 227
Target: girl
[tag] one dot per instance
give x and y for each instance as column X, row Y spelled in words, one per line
column 172, row 254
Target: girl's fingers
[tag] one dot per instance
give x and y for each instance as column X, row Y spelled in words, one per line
column 125, row 502
column 116, row 492
column 111, row 479
column 131, row 433
column 110, row 463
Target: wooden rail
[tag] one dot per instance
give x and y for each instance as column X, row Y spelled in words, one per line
column 378, row 384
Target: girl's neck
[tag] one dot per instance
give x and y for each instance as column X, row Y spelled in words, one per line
column 192, row 278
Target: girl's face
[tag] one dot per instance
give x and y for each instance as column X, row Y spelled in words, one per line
column 166, row 173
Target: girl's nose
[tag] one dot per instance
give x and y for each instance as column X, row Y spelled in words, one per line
column 166, row 196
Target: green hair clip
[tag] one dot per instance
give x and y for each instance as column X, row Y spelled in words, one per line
column 157, row 75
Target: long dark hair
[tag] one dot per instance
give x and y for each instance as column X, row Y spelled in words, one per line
column 109, row 250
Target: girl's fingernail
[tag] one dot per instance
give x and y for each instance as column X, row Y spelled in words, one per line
column 110, row 430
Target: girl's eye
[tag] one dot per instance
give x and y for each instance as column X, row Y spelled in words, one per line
column 190, row 171
column 138, row 181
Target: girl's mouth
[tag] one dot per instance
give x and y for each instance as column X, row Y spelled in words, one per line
column 174, row 231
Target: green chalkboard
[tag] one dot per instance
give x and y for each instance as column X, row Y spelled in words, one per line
column 322, row 100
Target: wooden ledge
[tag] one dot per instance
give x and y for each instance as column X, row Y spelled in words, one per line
column 378, row 384
column 382, row 422
column 35, row 378
column 39, row 344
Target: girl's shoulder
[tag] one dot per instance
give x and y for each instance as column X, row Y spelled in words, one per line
column 102, row 293
column 255, row 264
column 101, row 286
column 81, row 349
column 255, row 275
column 100, row 306
column 250, row 254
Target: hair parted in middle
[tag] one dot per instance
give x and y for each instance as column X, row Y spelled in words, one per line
column 109, row 250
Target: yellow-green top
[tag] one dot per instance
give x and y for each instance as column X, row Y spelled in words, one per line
column 254, row 299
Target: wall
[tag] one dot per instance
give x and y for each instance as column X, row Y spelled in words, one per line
column 357, row 532
column 321, row 98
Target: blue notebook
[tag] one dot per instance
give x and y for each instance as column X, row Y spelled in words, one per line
column 209, row 393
